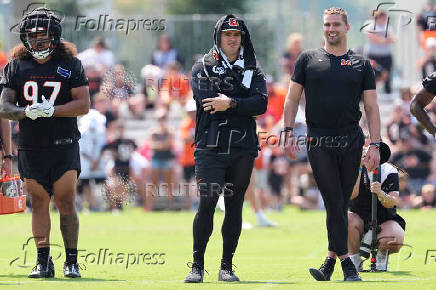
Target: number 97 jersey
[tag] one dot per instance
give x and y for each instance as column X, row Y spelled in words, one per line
column 54, row 80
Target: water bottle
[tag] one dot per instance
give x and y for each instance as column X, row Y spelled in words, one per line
column 18, row 185
column 9, row 188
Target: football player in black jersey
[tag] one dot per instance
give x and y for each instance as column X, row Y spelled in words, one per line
column 421, row 100
column 45, row 88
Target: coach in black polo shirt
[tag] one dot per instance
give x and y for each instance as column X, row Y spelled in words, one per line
column 334, row 79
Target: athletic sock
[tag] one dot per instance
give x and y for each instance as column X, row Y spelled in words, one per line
column 226, row 264
column 43, row 254
column 199, row 259
column 71, row 256
column 357, row 261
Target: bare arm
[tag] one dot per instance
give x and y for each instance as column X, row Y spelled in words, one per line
column 355, row 192
column 372, row 114
column 8, row 106
column 291, row 103
column 389, row 200
column 7, row 148
column 6, row 136
column 78, row 106
column 419, row 102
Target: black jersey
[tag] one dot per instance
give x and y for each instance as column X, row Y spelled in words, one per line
column 362, row 203
column 123, row 149
column 333, row 87
column 54, row 80
column 429, row 83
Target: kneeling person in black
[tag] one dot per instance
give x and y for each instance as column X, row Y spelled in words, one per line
column 45, row 89
column 392, row 225
column 229, row 90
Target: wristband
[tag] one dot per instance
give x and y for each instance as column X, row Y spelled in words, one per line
column 376, row 144
column 287, row 129
column 9, row 156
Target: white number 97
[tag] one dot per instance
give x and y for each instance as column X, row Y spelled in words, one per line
column 31, row 91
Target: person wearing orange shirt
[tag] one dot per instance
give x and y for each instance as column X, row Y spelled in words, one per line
column 187, row 131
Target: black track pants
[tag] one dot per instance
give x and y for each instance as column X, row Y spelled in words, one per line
column 216, row 173
column 335, row 169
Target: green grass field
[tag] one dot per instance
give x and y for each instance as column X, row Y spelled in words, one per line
column 267, row 258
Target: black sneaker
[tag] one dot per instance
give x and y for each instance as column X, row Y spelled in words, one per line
column 196, row 275
column 71, row 270
column 42, row 270
column 325, row 271
column 227, row 274
column 350, row 273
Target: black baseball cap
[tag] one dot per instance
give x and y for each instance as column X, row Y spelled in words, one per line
column 232, row 23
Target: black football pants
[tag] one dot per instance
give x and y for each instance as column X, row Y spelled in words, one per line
column 216, row 173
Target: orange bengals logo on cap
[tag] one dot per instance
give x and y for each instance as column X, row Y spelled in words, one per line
column 345, row 62
column 233, row 22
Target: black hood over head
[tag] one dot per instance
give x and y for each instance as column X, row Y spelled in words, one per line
column 215, row 58
column 249, row 54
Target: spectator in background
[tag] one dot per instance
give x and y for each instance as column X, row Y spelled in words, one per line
column 175, row 86
column 102, row 105
column 405, row 200
column 427, row 199
column 258, row 192
column 118, row 185
column 276, row 99
column 98, row 56
column 92, row 127
column 279, row 166
column 415, row 161
column 165, row 53
column 95, row 79
column 398, row 123
column 187, row 133
column 140, row 174
column 379, row 44
column 293, row 50
column 406, row 98
column 151, row 76
column 426, row 23
column 381, row 75
column 311, row 196
column 161, row 161
column 427, row 64
column 119, row 85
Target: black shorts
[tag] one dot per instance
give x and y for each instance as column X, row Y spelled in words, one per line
column 367, row 221
column 47, row 166
column 85, row 182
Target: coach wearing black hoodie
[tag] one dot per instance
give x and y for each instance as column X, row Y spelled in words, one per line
column 230, row 91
